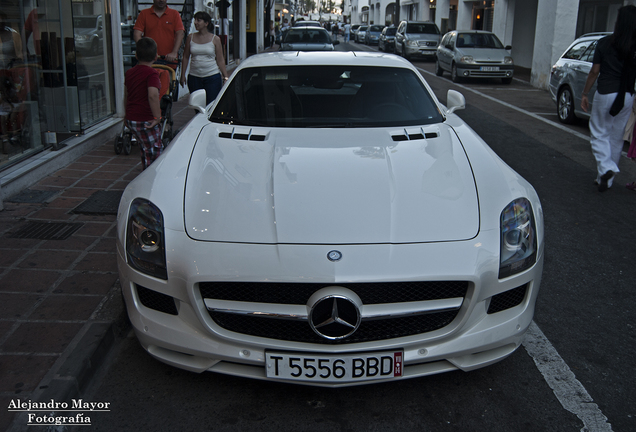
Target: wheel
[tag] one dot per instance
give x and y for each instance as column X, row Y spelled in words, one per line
column 565, row 106
column 506, row 80
column 127, row 143
column 404, row 52
column 438, row 70
column 118, row 144
column 95, row 47
column 454, row 77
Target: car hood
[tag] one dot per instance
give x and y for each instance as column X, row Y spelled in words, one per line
column 484, row 54
column 326, row 186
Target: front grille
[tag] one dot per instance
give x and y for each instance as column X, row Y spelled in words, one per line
column 299, row 293
column 156, row 300
column 297, row 331
column 507, row 299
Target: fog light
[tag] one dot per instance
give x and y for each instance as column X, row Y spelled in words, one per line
column 465, row 73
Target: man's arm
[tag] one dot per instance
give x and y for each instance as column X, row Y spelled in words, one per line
column 178, row 38
column 137, row 35
column 153, row 100
column 591, row 78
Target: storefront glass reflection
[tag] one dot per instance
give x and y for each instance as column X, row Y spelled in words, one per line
column 56, row 73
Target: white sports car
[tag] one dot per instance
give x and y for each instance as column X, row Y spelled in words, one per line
column 327, row 221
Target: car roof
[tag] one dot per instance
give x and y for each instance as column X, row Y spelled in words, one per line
column 307, row 24
column 313, row 58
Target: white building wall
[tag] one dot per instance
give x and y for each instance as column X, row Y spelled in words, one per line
column 464, row 15
column 443, row 11
column 503, row 20
column 555, row 30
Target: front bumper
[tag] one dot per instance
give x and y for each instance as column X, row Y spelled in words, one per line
column 190, row 339
column 421, row 51
column 485, row 71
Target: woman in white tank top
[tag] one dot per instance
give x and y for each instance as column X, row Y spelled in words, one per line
column 204, row 52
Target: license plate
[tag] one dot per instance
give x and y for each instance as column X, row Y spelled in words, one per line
column 334, row 368
column 489, row 68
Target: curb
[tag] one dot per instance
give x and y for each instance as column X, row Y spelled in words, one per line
column 73, row 373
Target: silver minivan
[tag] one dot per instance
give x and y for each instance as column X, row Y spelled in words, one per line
column 417, row 38
column 568, row 76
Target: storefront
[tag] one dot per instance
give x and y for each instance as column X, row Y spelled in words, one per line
column 56, row 76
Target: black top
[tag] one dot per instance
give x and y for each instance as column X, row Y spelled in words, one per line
column 609, row 80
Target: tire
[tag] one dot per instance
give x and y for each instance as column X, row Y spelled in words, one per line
column 506, row 80
column 118, row 144
column 565, row 106
column 438, row 70
column 454, row 77
column 95, row 47
column 404, row 52
column 127, row 143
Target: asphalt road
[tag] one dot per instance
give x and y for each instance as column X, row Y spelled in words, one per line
column 573, row 373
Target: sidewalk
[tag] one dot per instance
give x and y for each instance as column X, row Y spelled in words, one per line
column 60, row 305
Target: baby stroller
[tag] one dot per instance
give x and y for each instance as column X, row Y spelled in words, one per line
column 169, row 93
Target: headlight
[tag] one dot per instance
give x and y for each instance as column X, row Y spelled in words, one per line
column 508, row 60
column 145, row 241
column 518, row 246
column 467, row 59
column 412, row 43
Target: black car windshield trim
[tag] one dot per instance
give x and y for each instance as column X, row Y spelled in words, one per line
column 326, row 96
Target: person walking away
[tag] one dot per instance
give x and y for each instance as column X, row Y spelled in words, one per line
column 163, row 25
column 141, row 99
column 335, row 29
column 614, row 65
column 347, row 32
column 207, row 65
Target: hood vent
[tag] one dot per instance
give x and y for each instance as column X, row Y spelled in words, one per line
column 249, row 136
column 414, row 136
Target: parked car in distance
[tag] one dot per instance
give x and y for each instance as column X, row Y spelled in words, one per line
column 352, row 31
column 417, row 38
column 568, row 76
column 88, row 32
column 301, row 38
column 386, row 42
column 327, row 221
column 361, row 33
column 302, row 23
column 474, row 54
column 372, row 35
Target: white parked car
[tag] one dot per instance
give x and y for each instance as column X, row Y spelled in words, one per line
column 474, row 54
column 328, row 221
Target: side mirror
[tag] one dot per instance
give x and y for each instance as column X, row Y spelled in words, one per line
column 336, row 42
column 508, row 47
column 197, row 101
column 454, row 101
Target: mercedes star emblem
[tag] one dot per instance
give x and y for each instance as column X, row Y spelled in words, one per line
column 334, row 255
column 334, row 317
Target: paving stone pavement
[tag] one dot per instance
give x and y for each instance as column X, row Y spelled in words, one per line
column 60, row 303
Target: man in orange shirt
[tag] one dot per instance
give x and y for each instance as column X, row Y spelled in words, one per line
column 164, row 26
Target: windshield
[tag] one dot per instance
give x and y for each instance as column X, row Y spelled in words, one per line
column 307, row 35
column 326, row 96
column 478, row 40
column 428, row 28
column 391, row 31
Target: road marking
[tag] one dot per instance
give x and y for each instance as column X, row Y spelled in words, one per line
column 569, row 391
column 563, row 382
column 537, row 117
